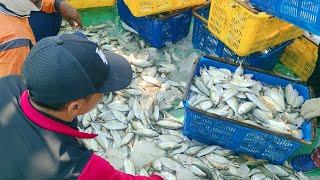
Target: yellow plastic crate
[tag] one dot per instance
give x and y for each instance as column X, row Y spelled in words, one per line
column 141, row 8
column 83, row 4
column 245, row 30
column 301, row 57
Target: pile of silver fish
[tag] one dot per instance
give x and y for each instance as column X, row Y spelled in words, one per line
column 138, row 134
column 237, row 96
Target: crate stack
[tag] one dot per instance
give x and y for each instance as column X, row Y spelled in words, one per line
column 300, row 57
column 84, row 4
column 239, row 30
column 233, row 29
column 158, row 22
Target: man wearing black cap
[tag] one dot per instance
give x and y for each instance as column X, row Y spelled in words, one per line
column 62, row 77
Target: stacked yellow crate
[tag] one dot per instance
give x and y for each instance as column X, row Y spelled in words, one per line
column 246, row 30
column 141, row 8
column 301, row 57
column 83, row 4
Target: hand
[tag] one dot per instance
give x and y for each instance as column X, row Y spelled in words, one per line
column 311, row 108
column 70, row 14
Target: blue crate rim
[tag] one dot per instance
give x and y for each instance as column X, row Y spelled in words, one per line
column 220, row 118
column 304, row 25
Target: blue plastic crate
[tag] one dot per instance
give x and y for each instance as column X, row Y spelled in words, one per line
column 205, row 41
column 302, row 13
column 158, row 31
column 237, row 136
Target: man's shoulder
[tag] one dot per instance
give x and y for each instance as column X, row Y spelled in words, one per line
column 11, row 85
column 14, row 80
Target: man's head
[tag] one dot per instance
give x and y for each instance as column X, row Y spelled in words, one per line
column 70, row 74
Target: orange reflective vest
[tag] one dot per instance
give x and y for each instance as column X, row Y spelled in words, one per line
column 16, row 39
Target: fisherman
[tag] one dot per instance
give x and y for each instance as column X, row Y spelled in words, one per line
column 63, row 76
column 20, row 30
column 310, row 109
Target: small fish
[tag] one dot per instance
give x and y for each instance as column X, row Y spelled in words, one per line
column 233, row 103
column 262, row 116
column 277, row 170
column 253, row 98
column 86, row 120
column 241, row 82
column 229, row 94
column 167, row 175
column 222, row 111
column 114, row 125
column 298, row 102
column 218, row 159
column 198, row 172
column 127, row 139
column 241, row 96
column 129, row 167
column 290, row 94
column 119, row 116
column 156, row 164
column 182, row 149
column 199, row 84
column 215, row 98
column 193, row 150
column 278, row 125
column 239, row 71
column 169, row 145
column 169, row 124
column 246, row 107
column 136, row 108
column 271, row 104
column 206, row 150
column 91, row 144
column 258, row 176
column 206, row 105
column 152, row 80
column 119, row 106
column 130, row 115
column 146, row 132
column 156, row 112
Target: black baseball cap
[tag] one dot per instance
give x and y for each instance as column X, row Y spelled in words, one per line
column 67, row 67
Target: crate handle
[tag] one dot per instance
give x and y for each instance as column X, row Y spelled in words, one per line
column 233, row 5
column 200, row 17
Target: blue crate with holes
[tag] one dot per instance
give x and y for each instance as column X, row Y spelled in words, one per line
column 203, row 40
column 158, row 31
column 302, row 13
column 240, row 137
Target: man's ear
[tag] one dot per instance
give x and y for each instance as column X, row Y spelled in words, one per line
column 74, row 107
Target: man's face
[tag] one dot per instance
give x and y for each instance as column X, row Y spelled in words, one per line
column 37, row 3
column 91, row 103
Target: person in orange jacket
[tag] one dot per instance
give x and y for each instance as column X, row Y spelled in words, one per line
column 17, row 34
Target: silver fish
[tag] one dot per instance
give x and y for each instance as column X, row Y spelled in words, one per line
column 146, row 132
column 253, row 98
column 199, row 84
column 169, row 124
column 262, row 116
column 114, row 125
column 246, row 107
